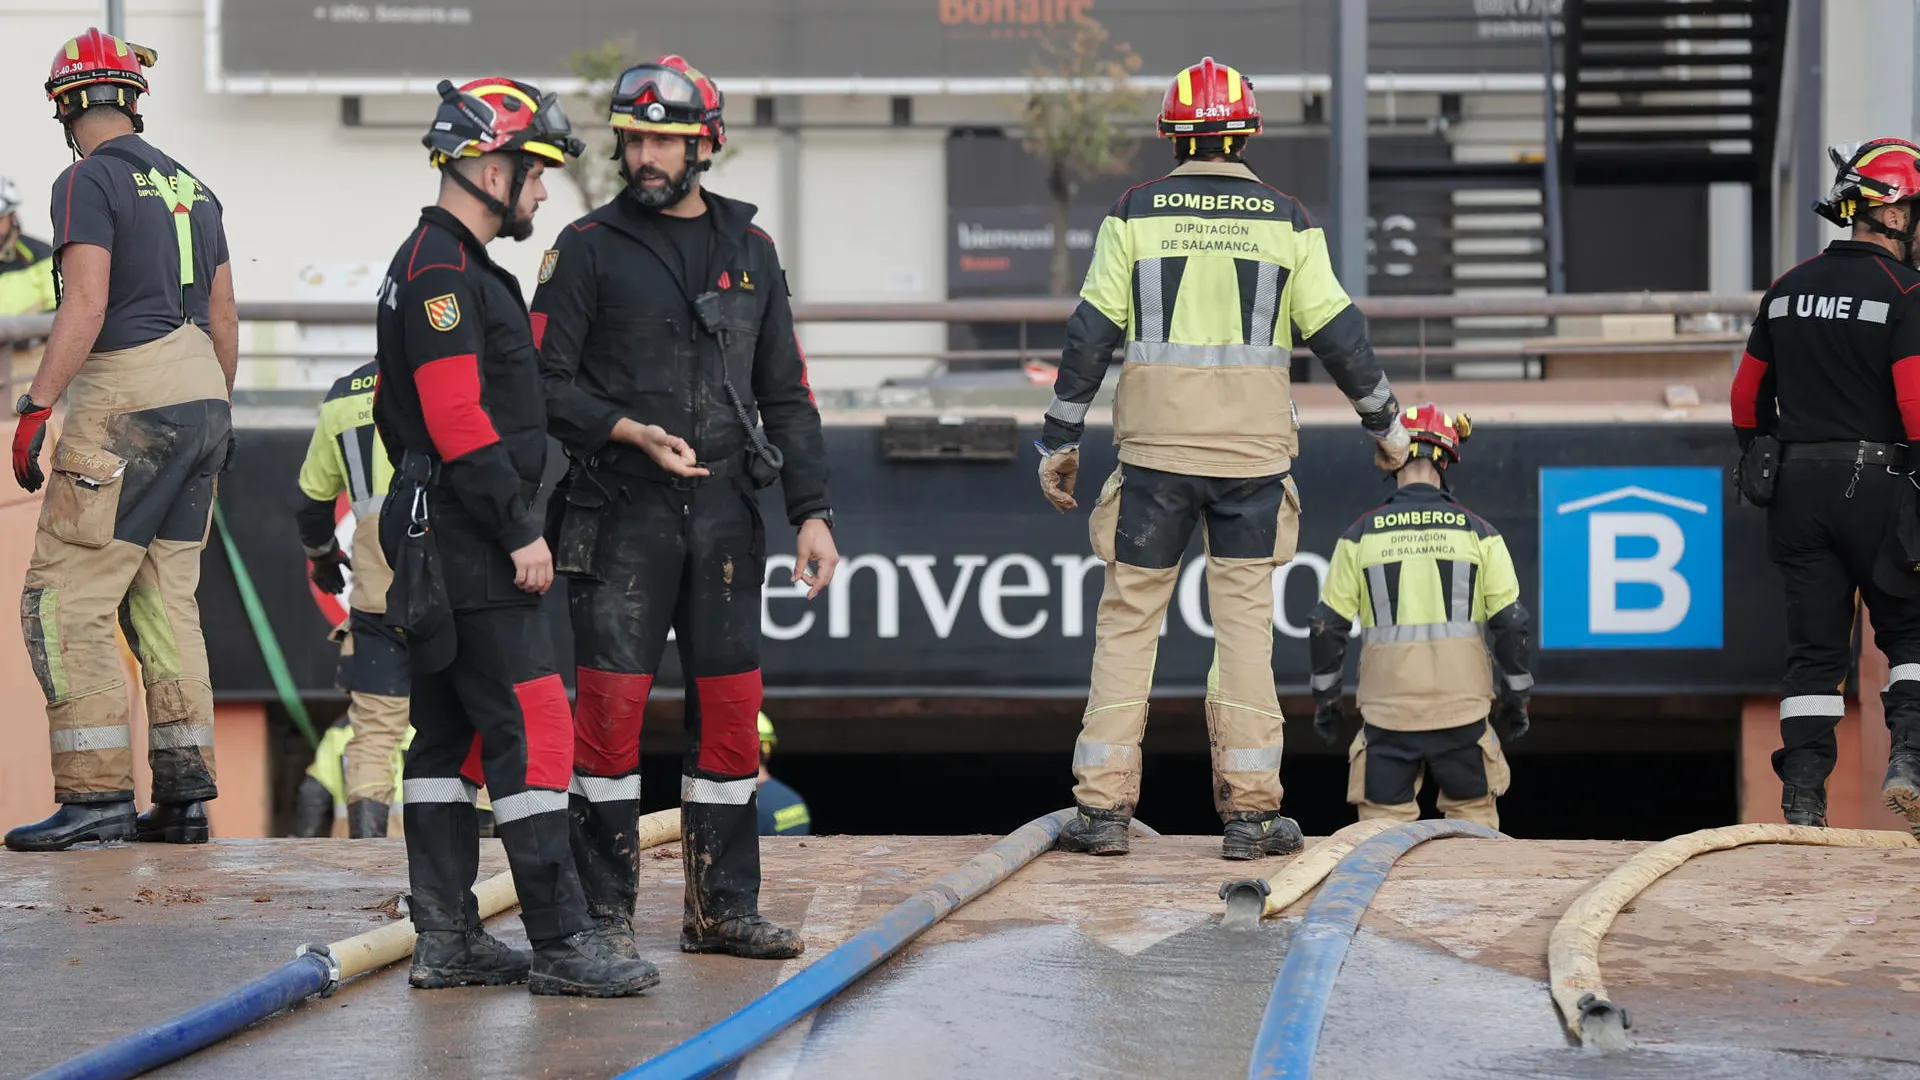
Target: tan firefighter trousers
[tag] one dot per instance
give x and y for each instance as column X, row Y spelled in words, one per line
column 1140, row 528
column 128, row 502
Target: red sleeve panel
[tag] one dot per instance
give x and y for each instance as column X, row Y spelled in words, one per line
column 1906, row 390
column 450, row 399
column 1746, row 391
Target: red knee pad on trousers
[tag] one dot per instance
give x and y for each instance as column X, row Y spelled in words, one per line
column 729, row 723
column 606, row 720
column 548, row 723
column 470, row 768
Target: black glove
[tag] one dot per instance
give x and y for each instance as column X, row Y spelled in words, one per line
column 326, row 573
column 1326, row 721
column 1513, row 712
column 233, row 447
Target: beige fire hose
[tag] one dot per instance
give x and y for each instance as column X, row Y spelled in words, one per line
column 376, row 949
column 1250, row 901
column 1573, row 952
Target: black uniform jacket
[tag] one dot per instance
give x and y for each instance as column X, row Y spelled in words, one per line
column 615, row 324
column 460, row 384
column 1834, row 355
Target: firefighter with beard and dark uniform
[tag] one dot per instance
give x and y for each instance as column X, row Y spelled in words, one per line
column 1202, row 278
column 459, row 412
column 1826, row 405
column 664, row 327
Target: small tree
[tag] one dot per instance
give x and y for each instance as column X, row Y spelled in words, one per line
column 1076, row 121
column 596, row 176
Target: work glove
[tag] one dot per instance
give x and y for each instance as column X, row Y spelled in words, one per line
column 29, row 437
column 1058, row 471
column 1390, row 450
column 1513, row 712
column 328, row 571
column 1326, row 722
column 233, row 447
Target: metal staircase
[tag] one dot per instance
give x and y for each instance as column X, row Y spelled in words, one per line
column 1675, row 92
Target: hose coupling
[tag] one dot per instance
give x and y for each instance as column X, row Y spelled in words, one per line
column 326, row 957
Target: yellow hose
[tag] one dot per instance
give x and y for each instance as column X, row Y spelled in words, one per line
column 1573, row 952
column 1303, row 874
column 377, row 948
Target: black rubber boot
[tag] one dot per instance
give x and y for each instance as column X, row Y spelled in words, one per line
column 1254, row 835
column 75, row 823
column 312, row 809
column 367, row 819
column 750, row 937
column 469, row 957
column 1803, row 792
column 1902, row 788
column 1095, row 832
column 173, row 823
column 584, row 965
column 602, row 836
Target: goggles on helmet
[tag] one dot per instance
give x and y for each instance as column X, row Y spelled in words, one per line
column 660, row 98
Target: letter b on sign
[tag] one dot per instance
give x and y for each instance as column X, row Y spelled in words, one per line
column 1630, row 558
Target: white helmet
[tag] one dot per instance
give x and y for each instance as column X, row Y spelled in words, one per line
column 9, row 195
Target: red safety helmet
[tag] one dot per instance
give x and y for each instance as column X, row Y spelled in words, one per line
column 1876, row 173
column 669, row 96
column 1434, row 434
column 98, row 69
column 1209, row 99
column 494, row 115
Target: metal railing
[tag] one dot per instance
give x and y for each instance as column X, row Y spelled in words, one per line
column 1414, row 335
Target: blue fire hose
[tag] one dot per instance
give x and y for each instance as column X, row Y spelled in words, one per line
column 170, row 1040
column 734, row 1037
column 1290, row 1029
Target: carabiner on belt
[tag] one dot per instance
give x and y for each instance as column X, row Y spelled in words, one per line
column 417, row 518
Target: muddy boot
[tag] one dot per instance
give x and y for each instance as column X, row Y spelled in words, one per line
column 173, row 823
column 601, row 836
column 75, row 823
column 470, row 957
column 615, row 927
column 1803, row 789
column 750, row 937
column 366, row 819
column 584, row 965
column 312, row 809
column 1095, row 832
column 1255, row 835
column 1902, row 789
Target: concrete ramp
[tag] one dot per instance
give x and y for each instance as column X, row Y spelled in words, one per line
column 1756, row 963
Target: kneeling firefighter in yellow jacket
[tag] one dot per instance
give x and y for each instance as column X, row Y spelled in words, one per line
column 1427, row 578
column 1204, row 276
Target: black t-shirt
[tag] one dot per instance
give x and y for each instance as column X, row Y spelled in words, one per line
column 692, row 238
column 105, row 201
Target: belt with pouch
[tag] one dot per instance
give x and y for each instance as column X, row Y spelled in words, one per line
column 634, row 463
column 1891, row 455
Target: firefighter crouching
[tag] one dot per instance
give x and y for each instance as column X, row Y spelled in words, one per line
column 1427, row 578
column 346, row 457
column 1203, row 276
column 1826, row 406
column 460, row 414
column 143, row 347
column 664, row 329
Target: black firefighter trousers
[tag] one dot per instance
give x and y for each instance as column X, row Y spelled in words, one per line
column 692, row 558
column 496, row 715
column 1826, row 529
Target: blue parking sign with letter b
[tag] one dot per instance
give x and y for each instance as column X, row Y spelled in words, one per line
column 1630, row 558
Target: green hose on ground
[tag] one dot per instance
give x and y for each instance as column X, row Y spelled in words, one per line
column 276, row 661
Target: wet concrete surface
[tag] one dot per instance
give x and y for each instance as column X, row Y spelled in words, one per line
column 1759, row 963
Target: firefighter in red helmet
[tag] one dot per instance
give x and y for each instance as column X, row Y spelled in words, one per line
column 143, row 349
column 1203, row 278
column 460, row 415
column 1428, row 580
column 1826, row 406
column 676, row 384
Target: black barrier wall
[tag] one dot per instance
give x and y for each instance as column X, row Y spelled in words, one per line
column 959, row 578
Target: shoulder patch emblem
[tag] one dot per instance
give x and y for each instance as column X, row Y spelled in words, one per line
column 443, row 312
column 547, row 263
